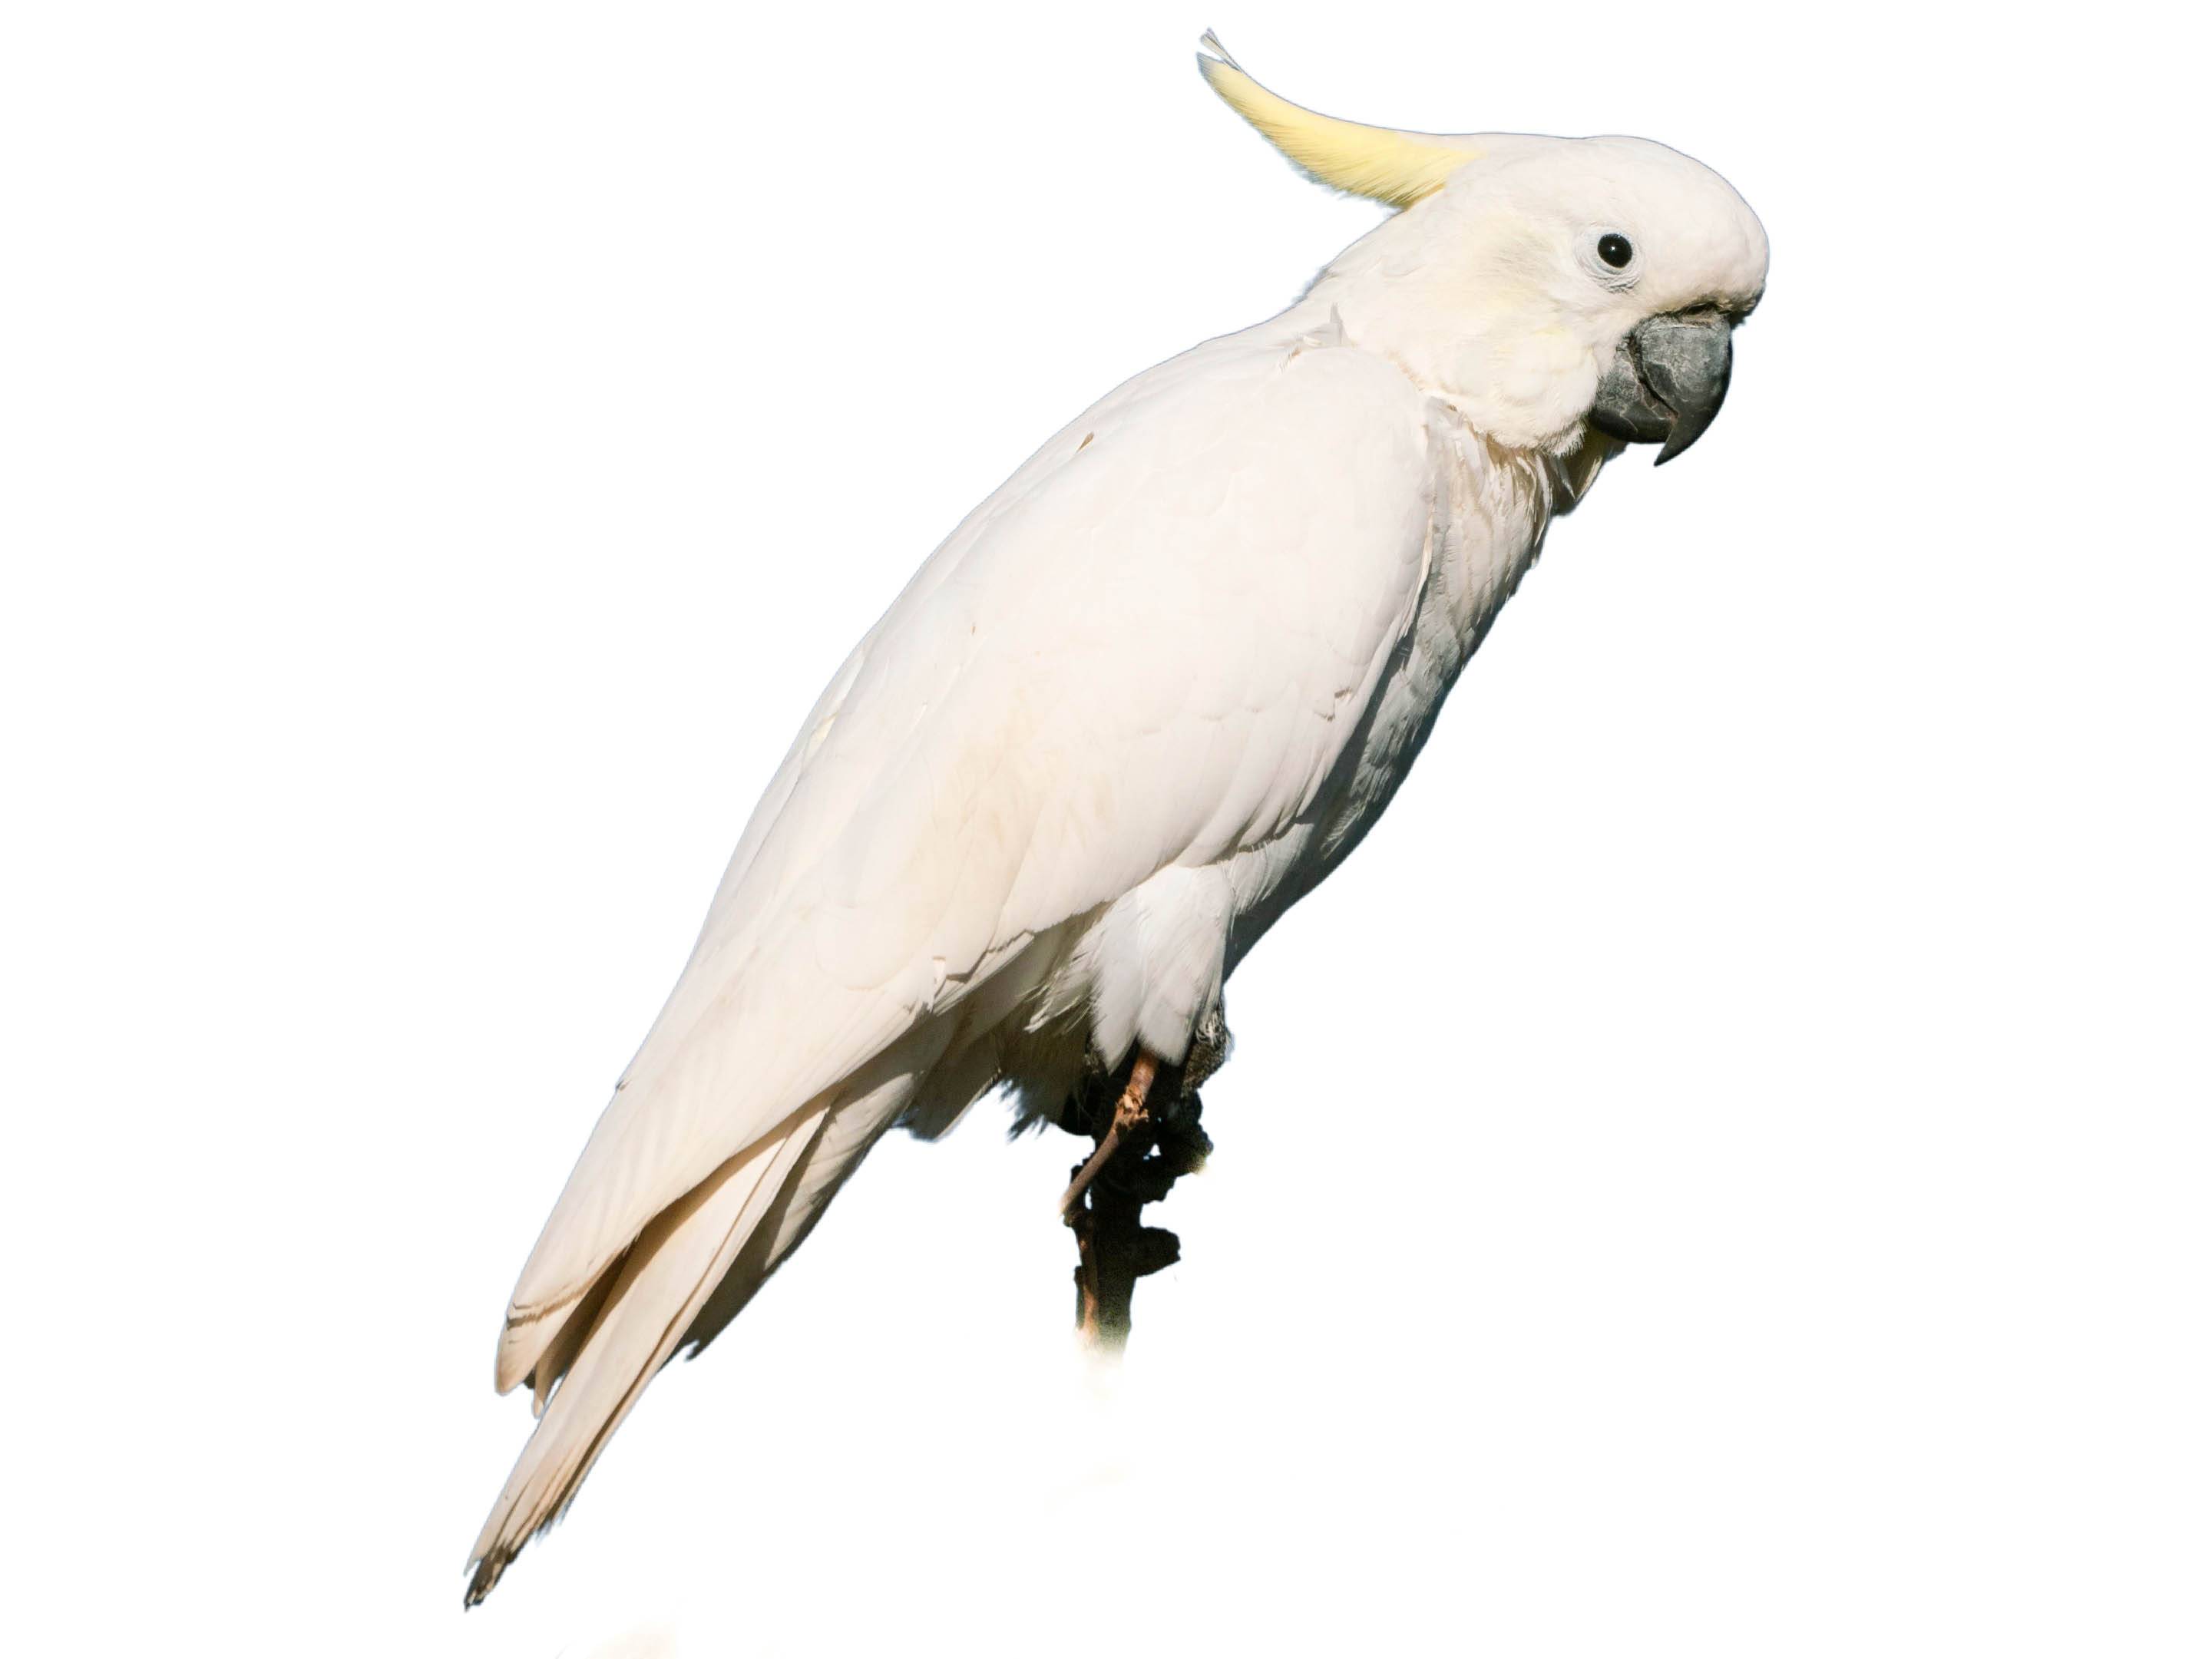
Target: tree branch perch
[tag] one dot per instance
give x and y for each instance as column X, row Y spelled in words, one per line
column 1145, row 1120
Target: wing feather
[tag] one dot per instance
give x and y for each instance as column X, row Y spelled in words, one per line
column 1147, row 648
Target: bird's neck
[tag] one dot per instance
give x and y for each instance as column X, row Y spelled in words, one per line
column 1484, row 336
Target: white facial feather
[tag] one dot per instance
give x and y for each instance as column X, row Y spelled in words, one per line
column 1490, row 294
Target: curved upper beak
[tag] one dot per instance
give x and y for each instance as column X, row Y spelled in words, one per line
column 1667, row 381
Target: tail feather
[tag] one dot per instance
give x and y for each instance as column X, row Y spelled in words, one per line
column 568, row 1341
column 846, row 1135
column 650, row 1301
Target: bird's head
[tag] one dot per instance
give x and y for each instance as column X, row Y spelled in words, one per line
column 1545, row 286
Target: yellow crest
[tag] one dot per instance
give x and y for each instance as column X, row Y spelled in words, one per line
column 1380, row 162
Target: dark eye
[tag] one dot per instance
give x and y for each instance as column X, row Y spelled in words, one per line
column 1613, row 248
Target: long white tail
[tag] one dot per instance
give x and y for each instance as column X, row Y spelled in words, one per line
column 621, row 1333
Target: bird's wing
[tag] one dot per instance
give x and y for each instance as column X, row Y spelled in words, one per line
column 1147, row 648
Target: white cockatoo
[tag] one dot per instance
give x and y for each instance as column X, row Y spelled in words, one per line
column 1139, row 703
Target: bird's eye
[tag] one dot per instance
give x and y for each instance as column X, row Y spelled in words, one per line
column 1614, row 249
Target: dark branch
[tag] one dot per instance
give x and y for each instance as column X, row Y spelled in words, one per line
column 1136, row 1161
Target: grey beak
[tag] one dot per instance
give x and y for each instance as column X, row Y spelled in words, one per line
column 1667, row 381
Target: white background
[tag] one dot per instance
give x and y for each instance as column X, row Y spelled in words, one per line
column 1724, row 1170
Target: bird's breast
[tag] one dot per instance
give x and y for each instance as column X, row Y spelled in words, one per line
column 1489, row 507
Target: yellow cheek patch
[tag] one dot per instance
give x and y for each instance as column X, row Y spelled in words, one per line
column 1379, row 162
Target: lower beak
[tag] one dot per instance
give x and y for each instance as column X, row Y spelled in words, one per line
column 1666, row 382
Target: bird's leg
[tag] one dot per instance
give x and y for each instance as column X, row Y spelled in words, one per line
column 1151, row 1138
column 1129, row 1113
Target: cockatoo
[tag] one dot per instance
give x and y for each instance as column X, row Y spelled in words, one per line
column 1134, row 707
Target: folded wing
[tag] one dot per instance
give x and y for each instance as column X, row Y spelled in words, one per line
column 1148, row 648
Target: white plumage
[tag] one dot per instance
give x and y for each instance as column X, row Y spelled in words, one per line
column 1135, row 706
